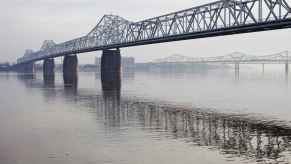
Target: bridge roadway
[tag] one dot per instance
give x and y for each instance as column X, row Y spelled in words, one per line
column 223, row 17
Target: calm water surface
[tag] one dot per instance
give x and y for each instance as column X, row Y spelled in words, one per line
column 209, row 117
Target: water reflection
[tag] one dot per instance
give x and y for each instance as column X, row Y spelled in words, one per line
column 26, row 77
column 71, row 90
column 71, row 83
column 251, row 139
column 287, row 76
column 111, row 88
column 233, row 136
column 237, row 71
column 49, row 81
column 5, row 74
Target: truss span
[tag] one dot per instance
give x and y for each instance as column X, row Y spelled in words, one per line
column 223, row 17
column 233, row 58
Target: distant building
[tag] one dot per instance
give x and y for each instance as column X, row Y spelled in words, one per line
column 127, row 64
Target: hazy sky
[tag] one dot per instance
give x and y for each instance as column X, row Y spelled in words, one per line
column 25, row 24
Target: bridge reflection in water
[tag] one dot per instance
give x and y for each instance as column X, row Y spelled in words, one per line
column 234, row 136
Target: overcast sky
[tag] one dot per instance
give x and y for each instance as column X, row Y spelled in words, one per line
column 25, row 24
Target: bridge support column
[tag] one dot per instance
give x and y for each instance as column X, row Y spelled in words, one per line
column 111, row 69
column 287, row 68
column 48, row 69
column 70, row 70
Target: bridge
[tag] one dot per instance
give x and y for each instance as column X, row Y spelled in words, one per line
column 235, row 58
column 223, row 17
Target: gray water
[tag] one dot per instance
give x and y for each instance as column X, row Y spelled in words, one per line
column 207, row 117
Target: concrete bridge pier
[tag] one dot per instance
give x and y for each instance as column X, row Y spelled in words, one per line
column 111, row 69
column 287, row 68
column 70, row 70
column 49, row 69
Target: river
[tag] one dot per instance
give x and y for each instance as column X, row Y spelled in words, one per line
column 205, row 117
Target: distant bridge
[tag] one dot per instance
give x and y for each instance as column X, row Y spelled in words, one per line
column 223, row 17
column 233, row 58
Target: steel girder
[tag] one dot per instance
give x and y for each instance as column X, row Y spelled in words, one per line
column 218, row 18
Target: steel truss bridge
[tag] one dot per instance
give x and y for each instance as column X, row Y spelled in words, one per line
column 223, row 17
column 233, row 58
